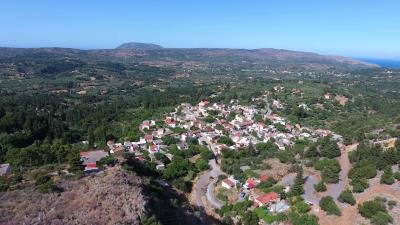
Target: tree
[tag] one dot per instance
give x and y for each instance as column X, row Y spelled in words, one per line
column 250, row 218
column 168, row 140
column 146, row 220
column 381, row 218
column 320, row 187
column 202, row 165
column 298, row 183
column 225, row 140
column 75, row 164
column 312, row 152
column 330, row 169
column 328, row 205
column 177, row 168
column 45, row 184
column 329, row 148
column 369, row 208
column 347, row 197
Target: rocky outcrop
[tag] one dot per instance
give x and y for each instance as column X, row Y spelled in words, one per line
column 114, row 197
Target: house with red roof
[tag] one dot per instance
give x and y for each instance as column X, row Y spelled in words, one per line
column 266, row 199
column 228, row 183
column 169, row 121
column 251, row 183
column 147, row 124
column 153, row 149
column 89, row 159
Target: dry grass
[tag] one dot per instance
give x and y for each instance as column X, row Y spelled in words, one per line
column 114, row 197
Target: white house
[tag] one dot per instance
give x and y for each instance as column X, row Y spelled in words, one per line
column 229, row 183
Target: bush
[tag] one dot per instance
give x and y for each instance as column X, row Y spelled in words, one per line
column 225, row 140
column 185, row 186
column 347, row 197
column 329, row 148
column 396, row 175
column 250, row 218
column 330, row 169
column 381, row 218
column 202, row 165
column 328, row 205
column 302, row 219
column 370, row 208
column 320, row 187
column 45, row 184
column 359, row 185
column 387, row 176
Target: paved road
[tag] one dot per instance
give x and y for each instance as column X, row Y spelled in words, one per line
column 204, row 187
column 309, row 191
column 334, row 189
column 211, row 197
column 287, row 180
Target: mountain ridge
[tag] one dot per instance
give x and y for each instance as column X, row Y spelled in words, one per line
column 151, row 53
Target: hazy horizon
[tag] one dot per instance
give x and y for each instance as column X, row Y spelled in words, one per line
column 367, row 29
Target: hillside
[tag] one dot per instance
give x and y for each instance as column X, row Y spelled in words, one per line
column 201, row 58
column 112, row 198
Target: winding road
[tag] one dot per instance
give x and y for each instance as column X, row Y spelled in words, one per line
column 334, row 190
column 205, row 186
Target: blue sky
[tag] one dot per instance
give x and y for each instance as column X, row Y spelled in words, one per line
column 362, row 28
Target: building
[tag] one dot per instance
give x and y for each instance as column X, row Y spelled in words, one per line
column 147, row 124
column 89, row 159
column 266, row 199
column 153, row 149
column 169, row 121
column 228, row 183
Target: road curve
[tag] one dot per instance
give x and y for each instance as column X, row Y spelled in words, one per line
column 334, row 190
column 203, row 186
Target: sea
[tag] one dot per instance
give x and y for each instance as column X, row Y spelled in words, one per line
column 388, row 63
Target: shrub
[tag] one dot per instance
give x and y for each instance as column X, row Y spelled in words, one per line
column 320, row 187
column 396, row 175
column 370, row 208
column 347, row 197
column 45, row 184
column 328, row 205
column 387, row 176
column 202, row 165
column 330, row 169
column 381, row 218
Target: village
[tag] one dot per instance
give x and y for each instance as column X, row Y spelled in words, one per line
column 224, row 127
column 217, row 126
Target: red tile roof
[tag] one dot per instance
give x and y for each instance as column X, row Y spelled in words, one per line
column 266, row 198
column 264, row 178
column 251, row 183
column 229, row 182
column 91, row 165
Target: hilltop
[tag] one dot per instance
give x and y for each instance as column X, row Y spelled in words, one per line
column 138, row 45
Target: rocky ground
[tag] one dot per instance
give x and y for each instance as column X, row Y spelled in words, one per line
column 113, row 197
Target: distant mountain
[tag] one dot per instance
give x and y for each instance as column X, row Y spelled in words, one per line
column 138, row 45
column 193, row 58
column 275, row 58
